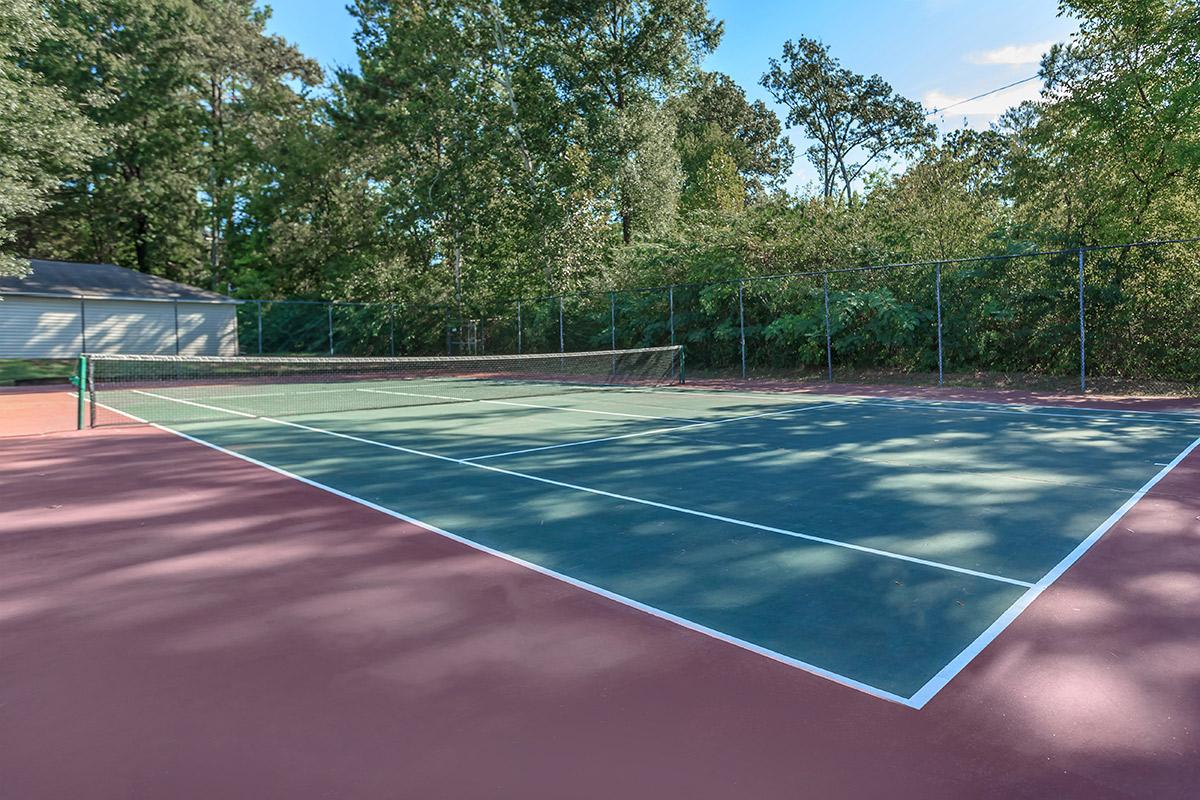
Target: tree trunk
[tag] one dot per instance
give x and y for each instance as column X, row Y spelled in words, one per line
column 141, row 248
column 216, row 180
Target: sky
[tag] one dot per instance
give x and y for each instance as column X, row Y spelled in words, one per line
column 934, row 51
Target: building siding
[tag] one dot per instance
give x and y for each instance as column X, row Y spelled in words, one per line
column 206, row 329
column 36, row 327
column 40, row 327
column 126, row 326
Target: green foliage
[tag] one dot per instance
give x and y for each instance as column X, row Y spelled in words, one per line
column 716, row 121
column 191, row 99
column 610, row 61
column 137, row 201
column 245, row 86
column 717, row 186
column 648, row 177
column 45, row 138
column 1113, row 151
column 15, row 371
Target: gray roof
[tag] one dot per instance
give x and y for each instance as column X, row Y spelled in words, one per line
column 100, row 280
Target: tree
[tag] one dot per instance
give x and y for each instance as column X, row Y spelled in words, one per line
column 137, row 202
column 947, row 203
column 716, row 121
column 429, row 118
column 609, row 59
column 717, row 186
column 45, row 140
column 1113, row 149
column 853, row 120
column 243, row 83
column 649, row 177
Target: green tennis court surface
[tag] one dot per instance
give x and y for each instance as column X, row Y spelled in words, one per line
column 880, row 543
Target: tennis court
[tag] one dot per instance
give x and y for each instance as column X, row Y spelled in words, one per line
column 880, row 543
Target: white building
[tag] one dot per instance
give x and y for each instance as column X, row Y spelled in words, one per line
column 61, row 309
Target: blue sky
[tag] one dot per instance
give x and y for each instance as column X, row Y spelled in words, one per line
column 934, row 51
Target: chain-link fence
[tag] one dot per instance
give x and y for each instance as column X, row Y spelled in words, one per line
column 318, row 327
column 1120, row 318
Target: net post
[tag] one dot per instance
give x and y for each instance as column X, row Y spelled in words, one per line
column 560, row 324
column 80, row 387
column 89, row 385
column 260, row 332
column 682, row 364
column 329, row 310
column 671, row 312
column 828, row 338
column 1082, row 336
column 937, row 281
column 742, row 325
column 518, row 327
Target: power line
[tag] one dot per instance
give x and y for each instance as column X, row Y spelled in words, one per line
column 985, row 94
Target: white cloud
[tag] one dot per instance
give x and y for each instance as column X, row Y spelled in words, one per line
column 1012, row 54
column 990, row 107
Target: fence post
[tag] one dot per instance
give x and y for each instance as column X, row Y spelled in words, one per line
column 612, row 318
column 518, row 327
column 560, row 324
column 392, row 329
column 259, row 304
column 937, row 281
column 612, row 328
column 1082, row 337
column 671, row 311
column 329, row 308
column 742, row 325
column 175, row 308
column 82, row 325
column 828, row 340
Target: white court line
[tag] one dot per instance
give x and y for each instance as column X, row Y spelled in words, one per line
column 521, row 405
column 653, row 611
column 960, row 406
column 194, row 403
column 651, row 432
column 641, row 501
column 282, row 394
column 948, row 672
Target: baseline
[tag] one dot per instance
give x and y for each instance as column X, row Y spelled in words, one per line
column 955, row 666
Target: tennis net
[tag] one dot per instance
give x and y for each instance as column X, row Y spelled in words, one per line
column 174, row 389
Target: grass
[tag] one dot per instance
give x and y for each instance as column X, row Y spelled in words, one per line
column 48, row 370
